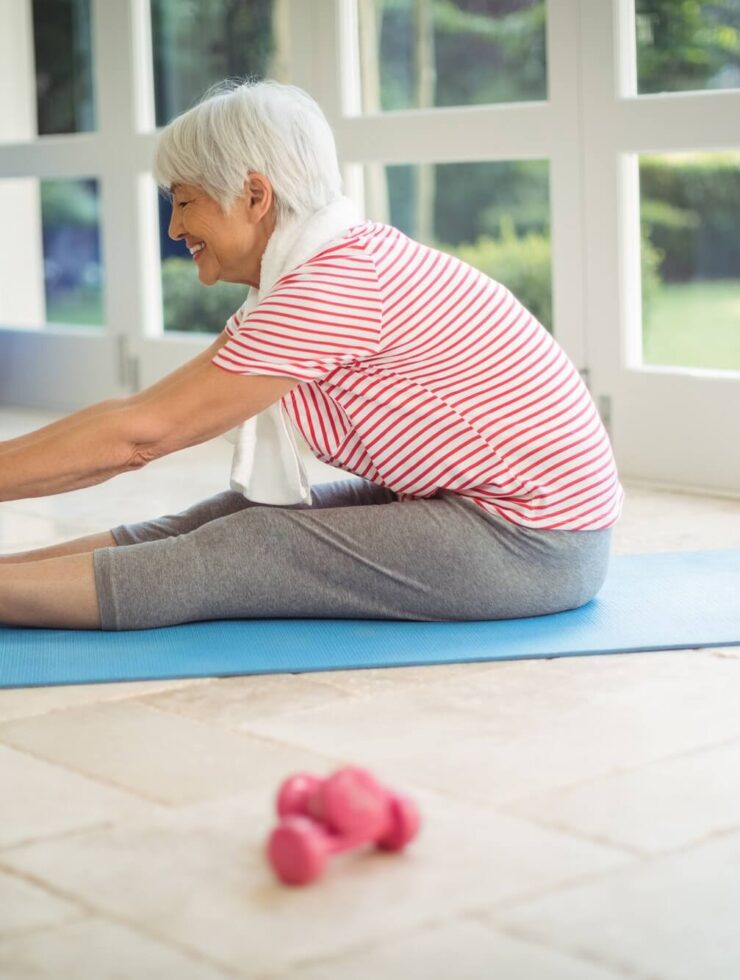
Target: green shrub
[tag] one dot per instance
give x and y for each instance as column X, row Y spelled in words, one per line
column 523, row 266
column 190, row 306
column 520, row 264
column 651, row 259
column 690, row 209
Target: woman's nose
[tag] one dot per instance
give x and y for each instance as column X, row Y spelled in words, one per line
column 174, row 230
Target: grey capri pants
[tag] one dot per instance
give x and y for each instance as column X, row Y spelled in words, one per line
column 356, row 552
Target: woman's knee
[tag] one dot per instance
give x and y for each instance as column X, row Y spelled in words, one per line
column 184, row 521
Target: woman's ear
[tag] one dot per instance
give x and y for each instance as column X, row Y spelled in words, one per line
column 258, row 194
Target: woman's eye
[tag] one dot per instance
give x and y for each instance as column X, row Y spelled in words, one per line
column 183, row 203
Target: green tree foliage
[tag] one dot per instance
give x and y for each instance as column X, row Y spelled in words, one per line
column 196, row 44
column 69, row 202
column 687, row 44
column 483, row 52
column 62, row 54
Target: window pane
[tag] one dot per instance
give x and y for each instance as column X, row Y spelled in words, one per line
column 430, row 53
column 50, row 253
column 690, row 213
column 493, row 215
column 196, row 44
column 188, row 305
column 694, row 44
column 73, row 273
column 62, row 48
column 45, row 69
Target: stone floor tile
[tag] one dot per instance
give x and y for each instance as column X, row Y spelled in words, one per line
column 197, row 876
column 42, row 800
column 531, row 728
column 657, row 807
column 160, row 757
column 673, row 917
column 26, row 907
column 725, row 651
column 130, row 498
column 24, row 702
column 463, row 949
column 664, row 520
column 372, row 680
column 97, row 949
column 233, row 702
column 497, row 732
column 20, row 531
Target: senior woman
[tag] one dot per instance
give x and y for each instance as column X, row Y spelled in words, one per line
column 483, row 484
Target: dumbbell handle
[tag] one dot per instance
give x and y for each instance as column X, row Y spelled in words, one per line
column 336, row 843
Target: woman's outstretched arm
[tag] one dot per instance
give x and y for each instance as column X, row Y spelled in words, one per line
column 85, row 448
column 90, row 448
column 61, row 425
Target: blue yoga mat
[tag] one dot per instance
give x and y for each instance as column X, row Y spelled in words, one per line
column 664, row 601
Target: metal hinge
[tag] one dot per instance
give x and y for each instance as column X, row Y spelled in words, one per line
column 603, row 402
column 605, row 411
column 128, row 365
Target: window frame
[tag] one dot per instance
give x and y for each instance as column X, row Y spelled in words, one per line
column 589, row 129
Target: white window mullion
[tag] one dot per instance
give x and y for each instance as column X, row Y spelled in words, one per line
column 115, row 87
column 21, row 255
column 691, row 120
column 566, row 185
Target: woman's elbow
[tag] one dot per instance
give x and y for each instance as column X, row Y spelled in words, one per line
column 140, row 436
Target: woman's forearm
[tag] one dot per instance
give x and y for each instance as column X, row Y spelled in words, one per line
column 81, row 450
column 61, row 425
column 69, row 421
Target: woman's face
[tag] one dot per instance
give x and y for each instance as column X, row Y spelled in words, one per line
column 229, row 247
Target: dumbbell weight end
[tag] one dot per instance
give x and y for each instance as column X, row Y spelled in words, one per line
column 298, row 848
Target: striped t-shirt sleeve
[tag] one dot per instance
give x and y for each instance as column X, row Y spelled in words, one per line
column 325, row 314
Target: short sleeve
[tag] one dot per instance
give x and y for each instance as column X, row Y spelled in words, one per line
column 323, row 315
column 232, row 324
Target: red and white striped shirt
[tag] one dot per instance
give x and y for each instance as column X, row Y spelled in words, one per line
column 421, row 373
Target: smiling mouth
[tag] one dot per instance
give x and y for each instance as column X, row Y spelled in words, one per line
column 196, row 250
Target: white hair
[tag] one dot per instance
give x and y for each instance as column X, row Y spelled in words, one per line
column 241, row 127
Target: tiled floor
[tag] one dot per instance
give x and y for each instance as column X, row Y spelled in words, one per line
column 581, row 815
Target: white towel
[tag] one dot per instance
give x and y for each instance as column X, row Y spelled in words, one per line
column 267, row 466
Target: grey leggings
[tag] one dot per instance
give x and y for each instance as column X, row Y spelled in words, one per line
column 356, row 553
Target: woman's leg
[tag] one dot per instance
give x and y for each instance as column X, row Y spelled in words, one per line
column 56, row 592
column 340, row 493
column 56, row 586
column 431, row 559
column 78, row 546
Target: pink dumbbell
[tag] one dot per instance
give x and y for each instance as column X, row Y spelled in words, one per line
column 324, row 816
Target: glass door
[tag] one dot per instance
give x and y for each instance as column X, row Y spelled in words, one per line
column 661, row 97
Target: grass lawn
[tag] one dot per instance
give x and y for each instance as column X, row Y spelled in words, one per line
column 695, row 325
column 79, row 307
